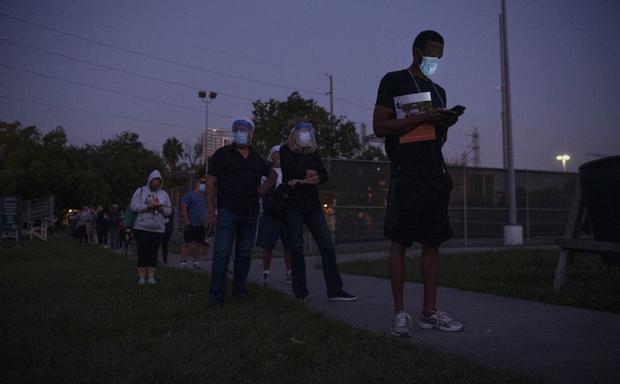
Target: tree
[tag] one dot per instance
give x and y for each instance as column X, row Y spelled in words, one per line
column 372, row 153
column 173, row 152
column 192, row 152
column 336, row 137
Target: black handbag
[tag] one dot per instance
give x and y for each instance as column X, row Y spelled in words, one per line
column 277, row 205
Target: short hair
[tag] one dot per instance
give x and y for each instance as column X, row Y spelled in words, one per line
column 424, row 37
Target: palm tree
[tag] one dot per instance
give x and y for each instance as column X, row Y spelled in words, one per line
column 173, row 151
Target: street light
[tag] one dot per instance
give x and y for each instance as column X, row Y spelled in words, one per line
column 203, row 96
column 564, row 159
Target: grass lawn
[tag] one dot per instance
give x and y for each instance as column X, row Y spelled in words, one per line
column 526, row 274
column 74, row 313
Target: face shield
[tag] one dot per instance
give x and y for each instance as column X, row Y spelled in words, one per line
column 242, row 132
column 304, row 134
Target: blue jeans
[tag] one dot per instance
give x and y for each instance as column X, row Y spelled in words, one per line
column 315, row 222
column 241, row 229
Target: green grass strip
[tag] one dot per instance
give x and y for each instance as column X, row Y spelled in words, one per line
column 525, row 274
column 74, row 313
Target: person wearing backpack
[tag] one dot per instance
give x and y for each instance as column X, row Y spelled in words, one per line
column 152, row 205
column 270, row 226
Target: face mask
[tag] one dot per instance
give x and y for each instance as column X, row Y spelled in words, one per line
column 202, row 187
column 305, row 139
column 240, row 138
column 429, row 64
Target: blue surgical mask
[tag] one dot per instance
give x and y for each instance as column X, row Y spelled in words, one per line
column 305, row 139
column 429, row 64
column 202, row 187
column 240, row 138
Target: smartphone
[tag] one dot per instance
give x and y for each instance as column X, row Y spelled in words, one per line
column 459, row 109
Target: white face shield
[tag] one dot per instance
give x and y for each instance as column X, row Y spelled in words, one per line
column 304, row 134
column 242, row 132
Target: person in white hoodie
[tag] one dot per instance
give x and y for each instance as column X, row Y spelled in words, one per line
column 152, row 205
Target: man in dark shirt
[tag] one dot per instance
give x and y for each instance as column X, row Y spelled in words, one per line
column 234, row 172
column 420, row 187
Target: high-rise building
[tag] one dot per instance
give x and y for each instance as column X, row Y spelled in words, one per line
column 216, row 138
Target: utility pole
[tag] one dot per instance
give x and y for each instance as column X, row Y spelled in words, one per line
column 475, row 147
column 513, row 233
column 203, row 96
column 331, row 94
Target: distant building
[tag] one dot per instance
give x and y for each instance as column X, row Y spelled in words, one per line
column 216, row 138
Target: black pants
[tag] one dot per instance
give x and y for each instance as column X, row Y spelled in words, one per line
column 80, row 233
column 102, row 235
column 148, row 244
column 164, row 245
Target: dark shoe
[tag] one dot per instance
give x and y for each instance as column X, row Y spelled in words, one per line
column 341, row 296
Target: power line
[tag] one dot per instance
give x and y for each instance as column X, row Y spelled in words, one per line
column 353, row 103
column 110, row 90
column 26, row 101
column 119, row 69
column 157, row 58
column 91, row 22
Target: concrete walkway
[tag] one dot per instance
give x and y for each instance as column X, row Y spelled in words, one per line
column 555, row 344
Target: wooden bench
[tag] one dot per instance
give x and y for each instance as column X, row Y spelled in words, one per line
column 571, row 243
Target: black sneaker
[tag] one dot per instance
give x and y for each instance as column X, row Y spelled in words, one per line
column 341, row 296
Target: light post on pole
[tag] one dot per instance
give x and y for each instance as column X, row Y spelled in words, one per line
column 206, row 98
column 564, row 159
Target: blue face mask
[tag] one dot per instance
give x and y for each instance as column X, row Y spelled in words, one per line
column 305, row 139
column 202, row 187
column 240, row 138
column 429, row 64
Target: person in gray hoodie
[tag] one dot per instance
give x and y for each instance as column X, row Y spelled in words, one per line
column 152, row 205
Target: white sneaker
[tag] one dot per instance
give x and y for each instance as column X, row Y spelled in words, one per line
column 141, row 281
column 151, row 281
column 401, row 324
column 266, row 279
column 439, row 320
column 289, row 277
column 183, row 264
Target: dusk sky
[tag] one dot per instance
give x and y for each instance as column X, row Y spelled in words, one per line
column 564, row 66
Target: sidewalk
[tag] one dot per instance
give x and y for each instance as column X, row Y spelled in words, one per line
column 555, row 344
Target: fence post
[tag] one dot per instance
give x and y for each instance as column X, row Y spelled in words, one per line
column 465, row 204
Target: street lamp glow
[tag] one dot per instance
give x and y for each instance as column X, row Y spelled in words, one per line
column 564, row 159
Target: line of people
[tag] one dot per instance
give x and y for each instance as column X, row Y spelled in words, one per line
column 99, row 226
column 410, row 112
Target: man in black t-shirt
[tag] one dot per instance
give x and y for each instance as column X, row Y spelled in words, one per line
column 233, row 186
column 410, row 113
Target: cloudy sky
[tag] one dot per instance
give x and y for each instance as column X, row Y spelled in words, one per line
column 98, row 68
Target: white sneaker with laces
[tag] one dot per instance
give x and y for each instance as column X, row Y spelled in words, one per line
column 266, row 278
column 401, row 324
column 151, row 281
column 439, row 320
column 183, row 264
column 142, row 281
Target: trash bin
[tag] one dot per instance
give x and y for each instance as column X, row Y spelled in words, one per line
column 600, row 185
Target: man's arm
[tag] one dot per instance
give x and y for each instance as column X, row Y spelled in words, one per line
column 185, row 212
column 385, row 123
column 211, row 193
column 270, row 182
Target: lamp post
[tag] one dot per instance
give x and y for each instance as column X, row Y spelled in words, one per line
column 206, row 98
column 564, row 159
